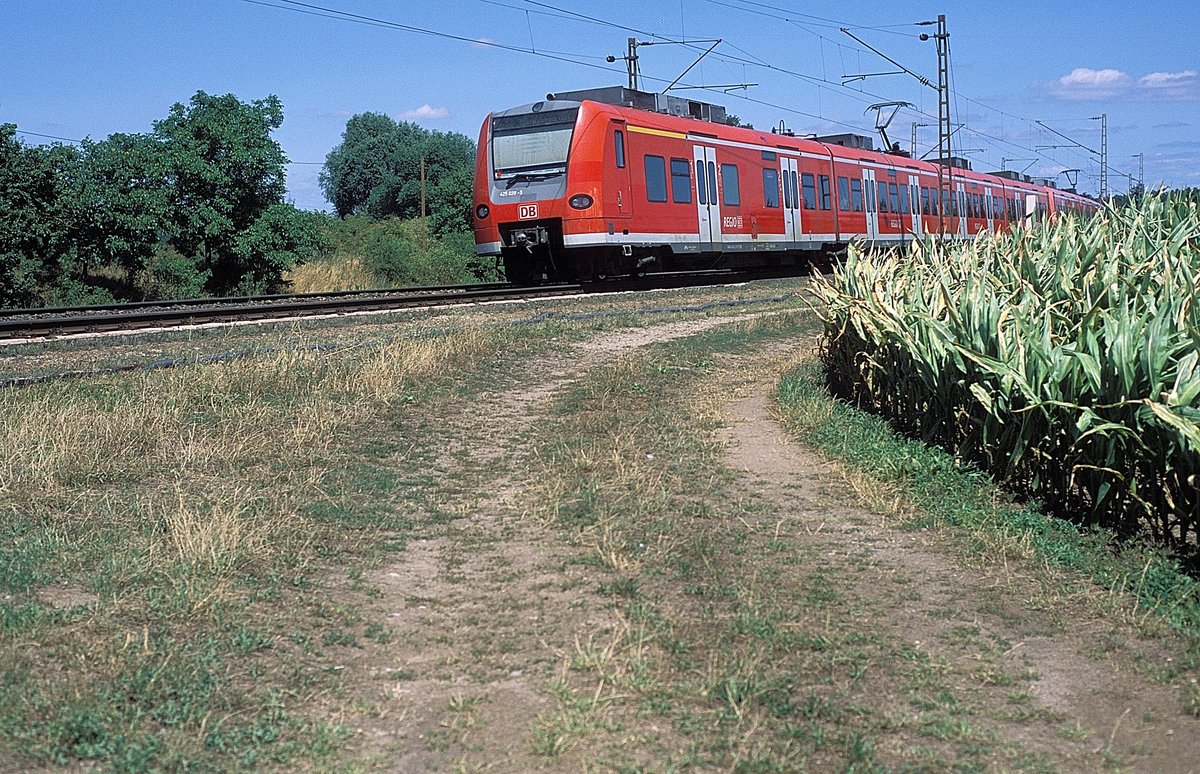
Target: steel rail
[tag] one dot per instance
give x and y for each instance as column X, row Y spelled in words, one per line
column 62, row 311
column 65, row 321
column 48, row 325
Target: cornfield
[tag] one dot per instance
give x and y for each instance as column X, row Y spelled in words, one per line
column 1060, row 359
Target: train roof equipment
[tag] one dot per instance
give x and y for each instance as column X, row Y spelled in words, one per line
column 644, row 100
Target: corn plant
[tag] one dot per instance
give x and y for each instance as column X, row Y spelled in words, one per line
column 1062, row 359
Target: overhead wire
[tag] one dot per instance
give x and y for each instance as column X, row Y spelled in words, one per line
column 751, row 59
column 298, row 6
column 888, row 28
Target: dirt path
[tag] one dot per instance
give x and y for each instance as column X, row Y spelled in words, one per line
column 1085, row 675
column 488, row 608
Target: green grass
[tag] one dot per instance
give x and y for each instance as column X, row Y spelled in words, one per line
column 186, row 548
column 203, row 587
column 752, row 663
column 946, row 492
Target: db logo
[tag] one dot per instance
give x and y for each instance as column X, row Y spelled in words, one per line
column 527, row 212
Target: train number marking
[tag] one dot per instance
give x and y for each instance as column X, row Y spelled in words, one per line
column 527, row 212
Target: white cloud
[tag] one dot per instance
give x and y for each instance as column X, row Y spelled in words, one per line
column 1167, row 80
column 425, row 113
column 1180, row 86
column 1084, row 83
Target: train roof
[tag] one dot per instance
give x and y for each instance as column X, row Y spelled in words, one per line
column 692, row 117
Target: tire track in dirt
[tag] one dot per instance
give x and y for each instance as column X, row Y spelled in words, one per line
column 1117, row 711
column 486, row 611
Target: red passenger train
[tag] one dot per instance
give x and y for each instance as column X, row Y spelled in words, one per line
column 607, row 182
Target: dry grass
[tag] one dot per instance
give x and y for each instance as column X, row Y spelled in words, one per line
column 213, row 420
column 330, row 275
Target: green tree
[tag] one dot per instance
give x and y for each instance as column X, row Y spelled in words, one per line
column 376, row 170
column 120, row 202
column 36, row 250
column 273, row 244
column 223, row 171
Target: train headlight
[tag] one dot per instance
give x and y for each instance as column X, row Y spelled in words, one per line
column 581, row 201
column 482, row 211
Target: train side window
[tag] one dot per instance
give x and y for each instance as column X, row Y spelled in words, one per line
column 731, row 193
column 883, row 200
column 619, row 141
column 809, row 184
column 894, row 197
column 771, row 186
column 924, row 201
column 681, row 181
column 826, row 197
column 656, row 178
column 856, row 202
column 903, row 198
column 844, row 194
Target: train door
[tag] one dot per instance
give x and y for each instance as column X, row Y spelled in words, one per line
column 914, row 200
column 962, row 210
column 791, row 198
column 618, row 197
column 990, row 210
column 1030, row 209
column 707, row 206
column 870, row 205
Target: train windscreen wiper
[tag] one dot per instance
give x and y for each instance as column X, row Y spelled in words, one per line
column 531, row 177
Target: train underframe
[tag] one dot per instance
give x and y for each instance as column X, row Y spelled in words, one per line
column 534, row 253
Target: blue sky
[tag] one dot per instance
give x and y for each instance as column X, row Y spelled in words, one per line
column 75, row 68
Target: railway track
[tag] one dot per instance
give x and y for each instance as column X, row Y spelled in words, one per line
column 41, row 324
column 66, row 321
column 22, row 325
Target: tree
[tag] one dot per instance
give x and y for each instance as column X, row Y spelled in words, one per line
column 273, row 244
column 223, row 171
column 376, row 170
column 35, row 244
column 194, row 206
column 120, row 202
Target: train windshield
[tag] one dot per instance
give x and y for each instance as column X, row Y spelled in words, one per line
column 532, row 143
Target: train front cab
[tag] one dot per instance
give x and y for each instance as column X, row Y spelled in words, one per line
column 521, row 178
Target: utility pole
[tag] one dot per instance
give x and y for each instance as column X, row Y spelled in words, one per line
column 945, row 171
column 424, row 228
column 631, row 64
column 1103, row 119
column 944, row 151
column 914, row 136
column 945, row 130
column 1141, row 157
